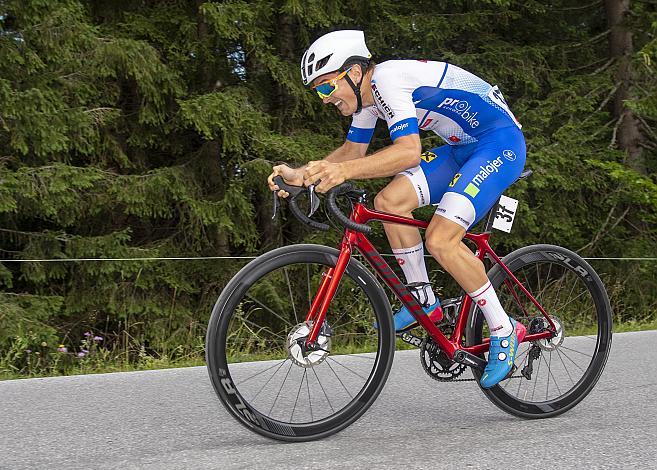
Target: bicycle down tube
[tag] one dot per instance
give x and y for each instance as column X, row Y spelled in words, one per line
column 361, row 214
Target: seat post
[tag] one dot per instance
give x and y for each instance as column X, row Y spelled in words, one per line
column 491, row 216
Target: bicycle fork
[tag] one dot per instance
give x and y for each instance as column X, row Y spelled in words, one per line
column 327, row 288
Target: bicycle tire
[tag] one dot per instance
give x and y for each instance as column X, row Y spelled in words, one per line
column 574, row 267
column 220, row 370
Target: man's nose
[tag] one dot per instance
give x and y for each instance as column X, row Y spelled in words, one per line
column 326, row 100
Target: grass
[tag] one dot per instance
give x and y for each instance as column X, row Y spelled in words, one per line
column 111, row 363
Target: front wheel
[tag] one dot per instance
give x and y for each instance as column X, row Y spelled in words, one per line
column 558, row 372
column 256, row 354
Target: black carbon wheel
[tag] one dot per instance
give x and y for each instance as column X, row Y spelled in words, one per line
column 260, row 371
column 564, row 368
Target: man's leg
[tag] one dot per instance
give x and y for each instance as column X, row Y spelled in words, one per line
column 399, row 198
column 488, row 169
column 444, row 243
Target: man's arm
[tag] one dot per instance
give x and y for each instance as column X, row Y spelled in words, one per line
column 400, row 156
column 390, row 160
column 347, row 151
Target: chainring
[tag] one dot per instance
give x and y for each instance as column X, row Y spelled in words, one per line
column 436, row 363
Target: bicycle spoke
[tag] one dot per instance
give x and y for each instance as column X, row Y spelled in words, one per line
column 547, row 283
column 287, row 322
column 554, row 379
column 310, row 403
column 298, row 392
column 280, row 389
column 569, row 295
column 536, row 381
column 258, row 326
column 340, row 364
column 575, row 350
column 261, row 372
column 547, row 387
column 520, row 381
column 570, row 302
column 556, row 297
column 268, row 380
column 337, row 377
column 565, row 368
column 322, row 387
column 568, row 357
column 289, row 288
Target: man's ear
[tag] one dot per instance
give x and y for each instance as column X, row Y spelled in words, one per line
column 356, row 72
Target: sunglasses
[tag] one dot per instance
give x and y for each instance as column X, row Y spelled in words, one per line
column 327, row 88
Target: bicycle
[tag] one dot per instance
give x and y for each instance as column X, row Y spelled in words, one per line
column 315, row 307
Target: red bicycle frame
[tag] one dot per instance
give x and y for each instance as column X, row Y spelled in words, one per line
column 329, row 284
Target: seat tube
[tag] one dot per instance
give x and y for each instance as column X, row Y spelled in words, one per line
column 329, row 286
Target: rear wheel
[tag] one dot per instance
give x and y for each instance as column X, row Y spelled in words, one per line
column 256, row 354
column 561, row 371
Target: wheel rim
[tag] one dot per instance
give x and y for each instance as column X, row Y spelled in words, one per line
column 313, row 390
column 566, row 366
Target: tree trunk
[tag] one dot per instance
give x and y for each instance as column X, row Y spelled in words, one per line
column 283, row 100
column 620, row 48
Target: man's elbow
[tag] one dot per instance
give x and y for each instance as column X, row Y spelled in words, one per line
column 414, row 156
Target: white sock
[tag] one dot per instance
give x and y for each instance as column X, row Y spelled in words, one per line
column 411, row 260
column 497, row 319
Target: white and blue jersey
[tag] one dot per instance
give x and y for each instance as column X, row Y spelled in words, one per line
column 432, row 96
column 485, row 151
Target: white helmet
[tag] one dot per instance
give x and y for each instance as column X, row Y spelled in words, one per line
column 330, row 53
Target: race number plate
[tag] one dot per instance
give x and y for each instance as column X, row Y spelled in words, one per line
column 506, row 212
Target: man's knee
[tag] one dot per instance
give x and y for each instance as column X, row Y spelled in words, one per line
column 397, row 198
column 442, row 243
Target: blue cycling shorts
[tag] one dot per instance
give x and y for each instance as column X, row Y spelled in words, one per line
column 466, row 180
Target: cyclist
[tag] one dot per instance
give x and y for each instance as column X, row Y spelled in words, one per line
column 484, row 154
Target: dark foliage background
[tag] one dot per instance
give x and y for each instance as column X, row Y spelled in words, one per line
column 147, row 128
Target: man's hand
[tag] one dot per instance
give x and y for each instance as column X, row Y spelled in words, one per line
column 292, row 176
column 331, row 174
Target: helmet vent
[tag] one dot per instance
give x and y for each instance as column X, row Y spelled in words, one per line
column 311, row 57
column 322, row 62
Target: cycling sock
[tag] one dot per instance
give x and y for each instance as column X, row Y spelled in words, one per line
column 411, row 260
column 497, row 319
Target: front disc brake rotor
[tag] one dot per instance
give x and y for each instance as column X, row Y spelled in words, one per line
column 298, row 352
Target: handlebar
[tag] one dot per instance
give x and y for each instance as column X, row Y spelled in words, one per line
column 331, row 204
column 295, row 191
column 333, row 208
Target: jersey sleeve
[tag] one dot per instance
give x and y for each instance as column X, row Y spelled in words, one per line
column 394, row 98
column 362, row 125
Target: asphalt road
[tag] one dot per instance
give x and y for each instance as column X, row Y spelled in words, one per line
column 171, row 419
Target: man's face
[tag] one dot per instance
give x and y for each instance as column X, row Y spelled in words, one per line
column 343, row 97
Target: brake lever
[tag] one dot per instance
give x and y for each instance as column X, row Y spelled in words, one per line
column 313, row 199
column 276, row 204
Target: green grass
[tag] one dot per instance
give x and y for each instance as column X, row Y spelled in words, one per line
column 112, row 363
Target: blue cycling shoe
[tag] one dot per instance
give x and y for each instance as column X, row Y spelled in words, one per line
column 501, row 354
column 404, row 320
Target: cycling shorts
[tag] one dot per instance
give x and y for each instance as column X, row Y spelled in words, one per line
column 464, row 181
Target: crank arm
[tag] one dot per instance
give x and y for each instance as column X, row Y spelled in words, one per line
column 464, row 357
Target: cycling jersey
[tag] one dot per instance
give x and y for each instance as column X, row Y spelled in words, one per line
column 434, row 96
column 486, row 149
